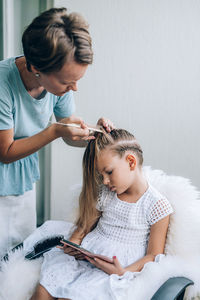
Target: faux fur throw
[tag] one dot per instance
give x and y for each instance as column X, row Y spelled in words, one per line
column 19, row 277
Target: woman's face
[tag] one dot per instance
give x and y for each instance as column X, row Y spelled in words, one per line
column 58, row 83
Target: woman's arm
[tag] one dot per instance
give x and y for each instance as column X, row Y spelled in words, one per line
column 12, row 150
column 156, row 246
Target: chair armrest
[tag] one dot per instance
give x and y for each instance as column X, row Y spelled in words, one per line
column 172, row 289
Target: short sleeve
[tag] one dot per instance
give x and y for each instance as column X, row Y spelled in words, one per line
column 6, row 110
column 65, row 106
column 159, row 210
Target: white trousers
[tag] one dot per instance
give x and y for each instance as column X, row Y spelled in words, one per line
column 17, row 219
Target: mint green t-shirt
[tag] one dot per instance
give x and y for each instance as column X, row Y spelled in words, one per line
column 27, row 116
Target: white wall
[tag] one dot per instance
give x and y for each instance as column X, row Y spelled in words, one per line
column 146, row 78
column 17, row 15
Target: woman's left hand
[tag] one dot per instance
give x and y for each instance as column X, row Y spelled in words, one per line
column 109, row 268
column 106, row 123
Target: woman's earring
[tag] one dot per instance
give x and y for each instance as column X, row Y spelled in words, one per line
column 37, row 75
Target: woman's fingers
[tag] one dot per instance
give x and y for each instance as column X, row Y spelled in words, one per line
column 74, row 119
column 88, row 138
column 106, row 123
column 82, row 132
column 74, row 133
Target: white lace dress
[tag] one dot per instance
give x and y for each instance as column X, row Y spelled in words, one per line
column 122, row 231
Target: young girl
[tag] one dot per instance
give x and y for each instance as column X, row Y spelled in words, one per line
column 120, row 216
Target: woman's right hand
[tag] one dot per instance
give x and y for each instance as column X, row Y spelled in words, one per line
column 72, row 133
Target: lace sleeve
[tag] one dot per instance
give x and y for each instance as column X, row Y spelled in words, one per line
column 159, row 210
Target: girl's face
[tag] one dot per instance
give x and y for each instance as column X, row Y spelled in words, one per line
column 58, row 83
column 117, row 172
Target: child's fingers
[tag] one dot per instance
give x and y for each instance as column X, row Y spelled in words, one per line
column 72, row 252
column 69, row 250
column 60, row 247
column 79, row 256
column 91, row 260
column 116, row 262
column 99, row 263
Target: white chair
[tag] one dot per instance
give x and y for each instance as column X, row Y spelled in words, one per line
column 19, row 277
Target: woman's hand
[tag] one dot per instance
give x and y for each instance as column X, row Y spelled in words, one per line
column 106, row 123
column 72, row 133
column 109, row 268
column 78, row 136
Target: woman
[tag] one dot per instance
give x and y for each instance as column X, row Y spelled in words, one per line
column 57, row 51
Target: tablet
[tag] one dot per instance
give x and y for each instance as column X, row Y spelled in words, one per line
column 86, row 252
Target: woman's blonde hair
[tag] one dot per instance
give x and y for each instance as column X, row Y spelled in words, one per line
column 119, row 141
column 55, row 37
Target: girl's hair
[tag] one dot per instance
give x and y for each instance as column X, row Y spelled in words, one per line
column 55, row 37
column 119, row 141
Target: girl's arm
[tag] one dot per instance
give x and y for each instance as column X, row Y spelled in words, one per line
column 76, row 237
column 12, row 150
column 156, row 246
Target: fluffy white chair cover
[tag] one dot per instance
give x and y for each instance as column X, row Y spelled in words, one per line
column 19, row 277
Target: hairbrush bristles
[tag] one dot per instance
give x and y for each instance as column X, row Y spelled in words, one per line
column 44, row 246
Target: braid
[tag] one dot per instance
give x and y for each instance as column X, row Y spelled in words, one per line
column 120, row 141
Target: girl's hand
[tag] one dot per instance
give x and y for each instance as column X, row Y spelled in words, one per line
column 106, row 123
column 71, row 251
column 72, row 133
column 109, row 268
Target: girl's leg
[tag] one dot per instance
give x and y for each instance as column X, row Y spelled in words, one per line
column 41, row 294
